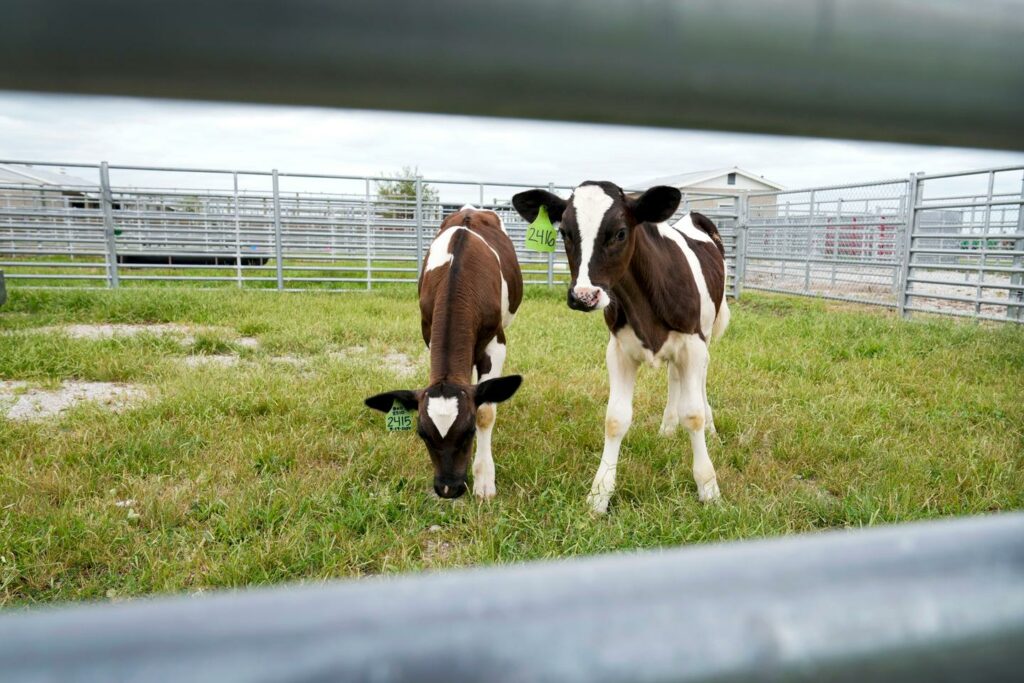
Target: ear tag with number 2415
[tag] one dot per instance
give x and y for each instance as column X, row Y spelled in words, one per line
column 398, row 419
column 540, row 235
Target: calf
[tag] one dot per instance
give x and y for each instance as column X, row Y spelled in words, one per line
column 470, row 290
column 662, row 290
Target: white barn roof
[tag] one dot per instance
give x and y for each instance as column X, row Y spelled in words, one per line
column 22, row 174
column 695, row 178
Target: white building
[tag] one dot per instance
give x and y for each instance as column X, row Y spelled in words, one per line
column 727, row 181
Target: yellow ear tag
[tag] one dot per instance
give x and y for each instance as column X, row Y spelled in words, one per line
column 540, row 235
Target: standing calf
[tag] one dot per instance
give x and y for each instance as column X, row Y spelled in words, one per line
column 662, row 290
column 470, row 290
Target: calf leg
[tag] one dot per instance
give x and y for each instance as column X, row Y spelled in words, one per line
column 483, row 462
column 622, row 378
column 670, row 418
column 693, row 364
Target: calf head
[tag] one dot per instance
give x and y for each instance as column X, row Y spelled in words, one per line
column 598, row 227
column 447, row 423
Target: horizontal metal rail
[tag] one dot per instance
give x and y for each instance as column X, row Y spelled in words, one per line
column 935, row 601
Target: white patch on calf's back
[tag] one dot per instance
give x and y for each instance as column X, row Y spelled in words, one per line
column 707, row 305
column 442, row 412
column 686, row 226
column 439, row 254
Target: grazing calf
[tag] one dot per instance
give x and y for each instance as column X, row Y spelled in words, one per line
column 470, row 290
column 662, row 290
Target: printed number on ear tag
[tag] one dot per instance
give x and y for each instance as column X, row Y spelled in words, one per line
column 540, row 235
column 398, row 419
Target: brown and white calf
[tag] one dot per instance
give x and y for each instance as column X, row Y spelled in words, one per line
column 470, row 290
column 662, row 290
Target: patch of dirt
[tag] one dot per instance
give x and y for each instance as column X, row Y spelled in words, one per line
column 437, row 551
column 248, row 342
column 185, row 333
column 347, row 352
column 289, row 359
column 222, row 360
column 400, row 364
column 18, row 401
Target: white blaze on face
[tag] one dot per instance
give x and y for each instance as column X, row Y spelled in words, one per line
column 591, row 204
column 442, row 412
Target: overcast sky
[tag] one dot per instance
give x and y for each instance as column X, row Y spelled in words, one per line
column 305, row 139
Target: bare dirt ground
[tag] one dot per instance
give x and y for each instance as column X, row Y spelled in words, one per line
column 20, row 401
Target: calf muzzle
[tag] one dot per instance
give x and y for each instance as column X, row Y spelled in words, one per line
column 449, row 488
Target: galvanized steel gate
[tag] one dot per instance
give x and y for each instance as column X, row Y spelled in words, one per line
column 948, row 243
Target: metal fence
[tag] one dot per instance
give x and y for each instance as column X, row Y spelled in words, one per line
column 949, row 243
column 134, row 225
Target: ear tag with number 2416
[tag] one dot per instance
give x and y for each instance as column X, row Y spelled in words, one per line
column 398, row 419
column 540, row 236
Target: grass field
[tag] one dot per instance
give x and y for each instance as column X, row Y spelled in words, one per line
column 269, row 471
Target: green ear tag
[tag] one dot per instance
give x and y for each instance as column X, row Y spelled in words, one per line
column 540, row 235
column 398, row 419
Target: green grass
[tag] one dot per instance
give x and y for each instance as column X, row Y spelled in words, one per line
column 828, row 416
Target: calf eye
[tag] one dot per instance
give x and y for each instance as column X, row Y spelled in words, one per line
column 620, row 236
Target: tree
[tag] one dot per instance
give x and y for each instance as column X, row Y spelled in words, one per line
column 399, row 194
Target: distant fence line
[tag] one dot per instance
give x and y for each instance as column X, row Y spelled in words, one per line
column 945, row 243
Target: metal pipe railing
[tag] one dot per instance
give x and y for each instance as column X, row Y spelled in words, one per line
column 925, row 71
column 934, row 601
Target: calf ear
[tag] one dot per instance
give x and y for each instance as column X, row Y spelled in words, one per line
column 528, row 205
column 498, row 389
column 383, row 402
column 657, row 204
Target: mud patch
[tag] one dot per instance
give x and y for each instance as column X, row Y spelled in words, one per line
column 19, row 401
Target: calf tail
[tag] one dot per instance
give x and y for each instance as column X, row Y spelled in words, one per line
column 721, row 320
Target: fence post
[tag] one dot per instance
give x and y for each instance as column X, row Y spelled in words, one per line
column 983, row 255
column 551, row 255
column 1016, row 312
column 110, row 237
column 902, row 295
column 369, row 239
column 238, row 232
column 278, row 247
column 739, row 265
column 419, row 227
column 809, row 243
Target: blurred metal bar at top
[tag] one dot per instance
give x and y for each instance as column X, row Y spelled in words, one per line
column 921, row 71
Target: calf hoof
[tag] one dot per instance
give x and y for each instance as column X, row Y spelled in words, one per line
column 667, row 429
column 484, row 490
column 598, row 502
column 708, row 491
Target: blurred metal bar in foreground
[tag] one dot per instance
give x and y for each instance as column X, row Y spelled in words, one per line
column 928, row 71
column 935, row 601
